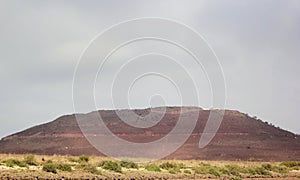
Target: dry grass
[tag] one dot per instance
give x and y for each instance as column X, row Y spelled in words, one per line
column 94, row 166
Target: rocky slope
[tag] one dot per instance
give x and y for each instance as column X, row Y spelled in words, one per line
column 239, row 137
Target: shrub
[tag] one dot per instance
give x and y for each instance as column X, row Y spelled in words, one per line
column 262, row 171
column 49, row 161
column 224, row 170
column 30, row 160
column 84, row 158
column 92, row 169
column 89, row 168
column 207, row 169
column 267, row 167
column 214, row 171
column 110, row 165
column 202, row 168
column 251, row 171
column 64, row 167
column 280, row 169
column 187, row 171
column 174, row 171
column 11, row 162
column 50, row 167
column 290, row 164
column 233, row 170
column 71, row 159
column 173, row 168
column 274, row 168
column 152, row 167
column 23, row 164
column 168, row 165
column 14, row 162
column 129, row 164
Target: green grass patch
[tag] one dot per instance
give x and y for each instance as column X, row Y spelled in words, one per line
column 168, row 165
column 128, row 164
column 30, row 160
column 80, row 159
column 262, row 171
column 15, row 162
column 174, row 171
column 50, row 167
column 74, row 160
column 279, row 169
column 89, row 168
column 290, row 164
column 234, row 170
column 84, row 158
column 152, row 167
column 111, row 165
column 64, row 167
column 208, row 169
column 187, row 171
column 173, row 168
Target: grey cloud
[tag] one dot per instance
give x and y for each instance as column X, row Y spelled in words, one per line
column 257, row 43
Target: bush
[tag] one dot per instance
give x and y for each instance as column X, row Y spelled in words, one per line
column 172, row 167
column 92, row 169
column 84, row 158
column 11, row 162
column 14, row 162
column 214, row 171
column 50, row 167
column 129, row 164
column 49, row 161
column 30, row 160
column 224, row 170
column 75, row 160
column 174, row 171
column 290, row 164
column 207, row 169
column 262, row 171
column 152, row 167
column 110, row 165
column 251, row 171
column 64, row 167
column 89, row 168
column 187, row 171
column 168, row 166
column 234, row 170
column 278, row 169
column 201, row 170
column 267, row 167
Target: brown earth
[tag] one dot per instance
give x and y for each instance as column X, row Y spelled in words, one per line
column 239, row 137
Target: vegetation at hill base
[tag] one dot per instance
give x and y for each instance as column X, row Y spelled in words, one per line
column 101, row 167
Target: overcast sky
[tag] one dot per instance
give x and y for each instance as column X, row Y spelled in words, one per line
column 257, row 43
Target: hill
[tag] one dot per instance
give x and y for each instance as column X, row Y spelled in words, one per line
column 240, row 137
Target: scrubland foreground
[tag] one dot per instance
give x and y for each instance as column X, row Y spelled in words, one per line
column 93, row 167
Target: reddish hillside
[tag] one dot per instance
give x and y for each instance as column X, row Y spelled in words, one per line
column 240, row 137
